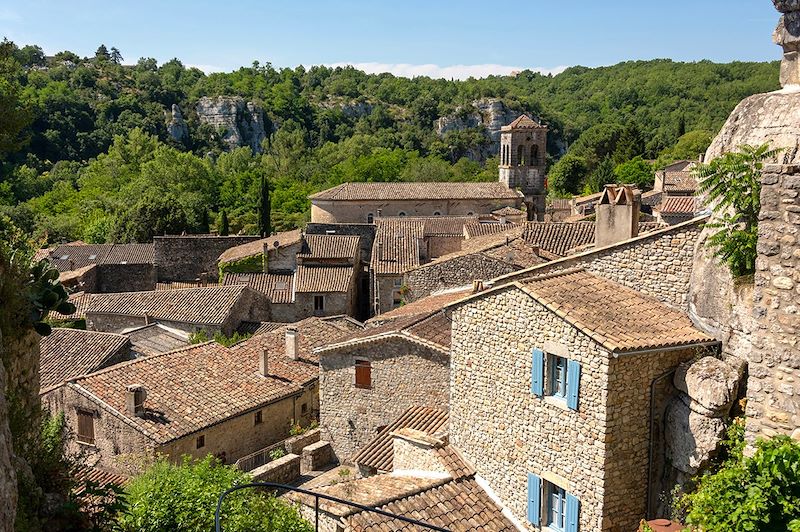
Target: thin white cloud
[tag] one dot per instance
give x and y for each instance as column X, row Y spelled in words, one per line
column 8, row 15
column 447, row 72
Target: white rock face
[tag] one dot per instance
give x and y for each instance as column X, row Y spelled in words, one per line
column 710, row 383
column 176, row 126
column 242, row 122
column 490, row 113
column 695, row 436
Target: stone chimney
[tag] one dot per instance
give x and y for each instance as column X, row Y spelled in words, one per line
column 263, row 363
column 291, row 343
column 147, row 319
column 135, row 396
column 415, row 450
column 617, row 215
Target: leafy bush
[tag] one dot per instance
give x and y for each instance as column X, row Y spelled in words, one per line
column 755, row 493
column 184, row 497
column 733, row 185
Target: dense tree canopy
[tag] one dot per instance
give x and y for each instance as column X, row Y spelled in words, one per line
column 83, row 141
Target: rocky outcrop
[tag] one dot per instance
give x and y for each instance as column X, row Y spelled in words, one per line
column 242, row 122
column 176, row 125
column 692, row 437
column 710, row 384
column 787, row 35
column 491, row 113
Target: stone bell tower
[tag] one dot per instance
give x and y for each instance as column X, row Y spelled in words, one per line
column 523, row 144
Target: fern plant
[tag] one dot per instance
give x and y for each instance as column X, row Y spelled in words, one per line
column 732, row 184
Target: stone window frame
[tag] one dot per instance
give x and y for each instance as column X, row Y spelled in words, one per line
column 81, row 436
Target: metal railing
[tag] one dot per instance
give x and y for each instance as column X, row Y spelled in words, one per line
column 317, row 497
column 259, row 458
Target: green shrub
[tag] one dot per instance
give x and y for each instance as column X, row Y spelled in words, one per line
column 755, row 493
column 184, row 497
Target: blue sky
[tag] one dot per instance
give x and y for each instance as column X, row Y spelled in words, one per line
column 407, row 37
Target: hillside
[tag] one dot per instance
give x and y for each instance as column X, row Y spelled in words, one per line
column 97, row 150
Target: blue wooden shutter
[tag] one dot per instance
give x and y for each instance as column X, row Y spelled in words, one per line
column 534, row 499
column 537, row 372
column 573, row 511
column 573, row 383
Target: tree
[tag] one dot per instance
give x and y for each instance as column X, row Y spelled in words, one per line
column 224, row 229
column 603, row 175
column 264, row 208
column 116, row 55
column 567, row 174
column 631, row 143
column 184, row 496
column 637, row 171
column 690, row 146
column 761, row 492
column 15, row 115
column 732, row 184
column 102, row 54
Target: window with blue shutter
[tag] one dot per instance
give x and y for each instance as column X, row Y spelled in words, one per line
column 537, row 372
column 573, row 513
column 534, row 499
column 573, row 383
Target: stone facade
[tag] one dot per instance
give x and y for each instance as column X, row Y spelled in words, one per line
column 658, row 264
column 125, row 278
column 404, row 374
column 119, row 447
column 387, row 292
column 458, row 271
column 185, row 258
column 773, row 385
column 599, row 453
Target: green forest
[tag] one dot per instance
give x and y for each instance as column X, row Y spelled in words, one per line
column 85, row 153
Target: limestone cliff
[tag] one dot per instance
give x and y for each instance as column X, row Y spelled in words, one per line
column 490, row 113
column 176, row 125
column 241, row 121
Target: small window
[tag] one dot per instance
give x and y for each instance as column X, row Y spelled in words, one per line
column 558, row 376
column 370, row 218
column 319, row 303
column 397, row 300
column 363, row 374
column 259, row 418
column 201, row 442
column 397, row 282
column 556, row 506
column 401, row 213
column 85, row 427
column 304, row 408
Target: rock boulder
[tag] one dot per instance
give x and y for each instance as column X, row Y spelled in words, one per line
column 176, row 125
column 691, row 438
column 711, row 385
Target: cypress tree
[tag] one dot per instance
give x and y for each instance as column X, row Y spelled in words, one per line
column 224, row 230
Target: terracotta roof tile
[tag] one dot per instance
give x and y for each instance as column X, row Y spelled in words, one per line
column 396, row 247
column 330, row 247
column 69, row 353
column 211, row 305
column 416, row 191
column 156, row 338
column 523, row 122
column 259, row 327
column 681, row 182
column 508, row 211
column 278, row 287
column 474, row 230
column 81, row 300
column 559, row 237
column 651, row 198
column 426, row 305
column 328, row 278
column 188, row 389
column 256, row 247
column 130, row 254
column 379, row 453
column 72, row 257
column 619, row 318
column 679, row 205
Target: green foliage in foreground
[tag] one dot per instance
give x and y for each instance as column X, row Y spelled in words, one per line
column 758, row 493
column 733, row 187
column 201, row 336
column 184, row 497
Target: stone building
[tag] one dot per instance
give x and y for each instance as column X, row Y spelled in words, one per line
column 364, row 202
column 550, row 394
column 104, row 268
column 199, row 400
column 523, row 162
column 191, row 257
column 213, row 309
column 367, row 379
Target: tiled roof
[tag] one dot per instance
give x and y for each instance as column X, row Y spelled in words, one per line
column 278, row 287
column 330, row 247
column 508, row 211
column 679, row 205
column 256, row 247
column 646, row 227
column 458, row 505
column 619, row 318
column 314, row 278
column 682, row 182
column 72, row 257
column 396, row 247
column 311, row 333
column 560, row 204
column 416, row 191
column 426, row 306
column 69, row 353
column 559, row 237
column 679, row 166
column 81, row 300
column 258, row 327
column 651, row 197
column 210, row 305
column 156, row 338
column 177, row 285
column 379, row 453
column 188, row 389
column 73, row 278
column 130, row 254
column 517, row 253
column 523, row 122
column 477, row 229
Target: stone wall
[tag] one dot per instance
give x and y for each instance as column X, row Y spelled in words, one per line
column 125, row 278
column 295, row 444
column 599, row 453
column 458, row 271
column 355, row 212
column 404, row 374
column 384, row 291
column 184, row 258
column 8, row 475
column 284, row 470
column 658, row 264
column 773, row 385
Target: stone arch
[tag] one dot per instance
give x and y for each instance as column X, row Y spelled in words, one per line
column 534, row 155
column 520, row 155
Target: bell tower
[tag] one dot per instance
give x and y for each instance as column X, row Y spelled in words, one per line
column 522, row 162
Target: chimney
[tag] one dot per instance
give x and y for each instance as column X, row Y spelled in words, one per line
column 135, row 395
column 617, row 215
column 477, row 286
column 203, row 279
column 291, row 343
column 503, row 219
column 147, row 320
column 263, row 364
column 380, row 213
